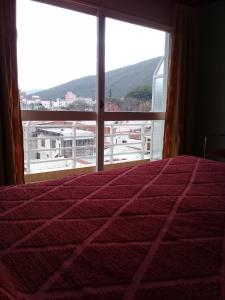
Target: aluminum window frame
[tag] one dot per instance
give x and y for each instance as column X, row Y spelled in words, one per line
column 100, row 116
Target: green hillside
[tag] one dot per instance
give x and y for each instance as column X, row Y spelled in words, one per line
column 119, row 82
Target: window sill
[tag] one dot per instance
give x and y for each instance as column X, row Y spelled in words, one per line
column 29, row 178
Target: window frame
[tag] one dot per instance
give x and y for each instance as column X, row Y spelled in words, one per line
column 100, row 115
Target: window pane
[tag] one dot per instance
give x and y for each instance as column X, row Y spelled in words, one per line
column 50, row 146
column 134, row 57
column 56, row 58
column 127, row 141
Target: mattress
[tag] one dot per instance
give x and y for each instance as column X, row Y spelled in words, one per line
column 154, row 231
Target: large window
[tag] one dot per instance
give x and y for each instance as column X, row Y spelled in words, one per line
column 92, row 87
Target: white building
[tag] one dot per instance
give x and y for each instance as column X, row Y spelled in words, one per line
column 53, row 142
column 70, row 97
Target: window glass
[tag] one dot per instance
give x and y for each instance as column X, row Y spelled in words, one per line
column 127, row 141
column 67, row 145
column 133, row 56
column 56, row 58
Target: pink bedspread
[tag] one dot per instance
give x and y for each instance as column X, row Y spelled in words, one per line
column 146, row 232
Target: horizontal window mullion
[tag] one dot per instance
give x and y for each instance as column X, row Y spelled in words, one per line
column 133, row 116
column 35, row 115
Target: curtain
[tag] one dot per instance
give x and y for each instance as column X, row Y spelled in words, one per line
column 179, row 112
column 11, row 134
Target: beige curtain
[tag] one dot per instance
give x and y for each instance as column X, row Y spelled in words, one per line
column 11, row 134
column 179, row 113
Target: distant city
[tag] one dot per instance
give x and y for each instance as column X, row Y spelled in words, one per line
column 34, row 102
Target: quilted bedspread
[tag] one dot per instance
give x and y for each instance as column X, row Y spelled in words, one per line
column 146, row 232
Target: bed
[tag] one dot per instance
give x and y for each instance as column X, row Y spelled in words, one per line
column 145, row 232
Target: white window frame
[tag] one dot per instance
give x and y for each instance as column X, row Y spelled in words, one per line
column 100, row 116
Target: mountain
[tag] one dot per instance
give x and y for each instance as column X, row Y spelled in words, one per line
column 119, row 82
column 33, row 91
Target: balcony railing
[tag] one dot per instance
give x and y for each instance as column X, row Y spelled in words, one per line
column 49, row 146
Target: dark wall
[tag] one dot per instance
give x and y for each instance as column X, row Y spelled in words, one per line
column 210, row 94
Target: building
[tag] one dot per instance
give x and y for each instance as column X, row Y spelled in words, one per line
column 69, row 98
column 49, row 140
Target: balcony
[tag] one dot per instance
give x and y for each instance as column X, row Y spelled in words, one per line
column 65, row 145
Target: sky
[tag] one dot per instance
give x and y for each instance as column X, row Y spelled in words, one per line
column 56, row 45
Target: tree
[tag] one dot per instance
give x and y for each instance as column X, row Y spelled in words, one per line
column 113, row 103
column 139, row 99
column 79, row 105
column 141, row 93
